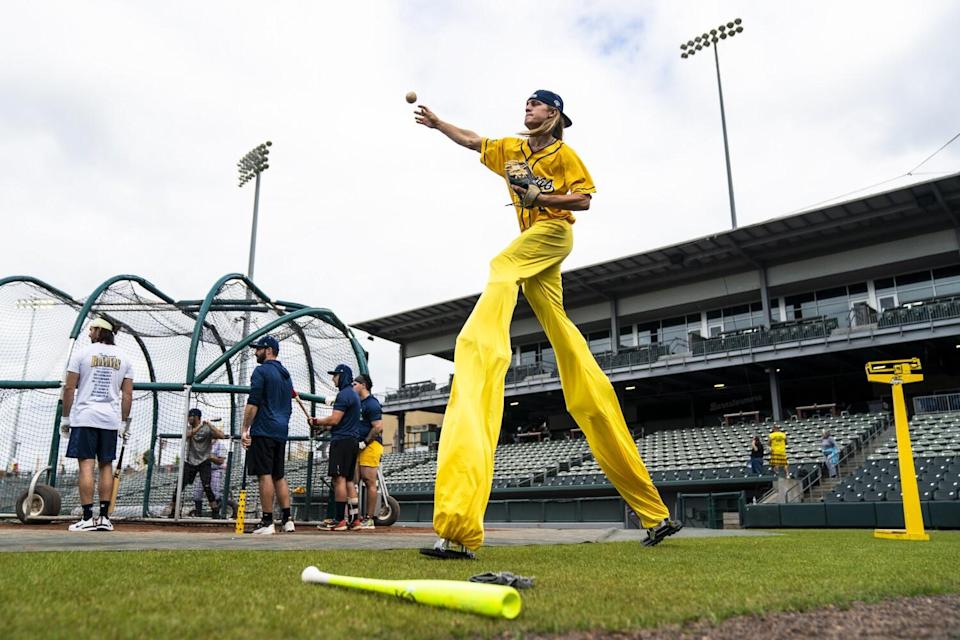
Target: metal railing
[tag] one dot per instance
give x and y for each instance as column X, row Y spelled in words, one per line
column 755, row 337
column 847, row 453
column 921, row 312
column 940, row 403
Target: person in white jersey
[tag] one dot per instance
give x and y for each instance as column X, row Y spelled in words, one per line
column 97, row 396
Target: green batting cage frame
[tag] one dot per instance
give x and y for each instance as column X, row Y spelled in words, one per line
column 186, row 354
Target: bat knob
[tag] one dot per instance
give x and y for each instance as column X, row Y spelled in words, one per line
column 312, row 574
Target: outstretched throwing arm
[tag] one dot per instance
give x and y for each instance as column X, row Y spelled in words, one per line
column 462, row 137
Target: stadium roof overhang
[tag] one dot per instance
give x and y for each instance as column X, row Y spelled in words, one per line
column 907, row 211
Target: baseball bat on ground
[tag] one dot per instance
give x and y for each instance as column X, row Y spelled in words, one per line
column 485, row 599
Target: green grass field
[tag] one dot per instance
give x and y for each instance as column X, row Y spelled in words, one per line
column 612, row 586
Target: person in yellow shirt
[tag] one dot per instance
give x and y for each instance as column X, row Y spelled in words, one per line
column 471, row 424
column 778, row 450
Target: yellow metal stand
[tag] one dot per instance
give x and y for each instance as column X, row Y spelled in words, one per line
column 897, row 373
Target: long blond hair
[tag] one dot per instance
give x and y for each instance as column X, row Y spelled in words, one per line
column 552, row 125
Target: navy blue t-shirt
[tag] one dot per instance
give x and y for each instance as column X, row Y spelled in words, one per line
column 370, row 412
column 349, row 402
column 271, row 391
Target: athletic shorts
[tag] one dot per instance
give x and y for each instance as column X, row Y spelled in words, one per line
column 87, row 443
column 265, row 457
column 343, row 458
column 370, row 456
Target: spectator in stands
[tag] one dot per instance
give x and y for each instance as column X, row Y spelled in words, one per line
column 200, row 437
column 544, row 431
column 831, row 454
column 756, row 456
column 778, row 450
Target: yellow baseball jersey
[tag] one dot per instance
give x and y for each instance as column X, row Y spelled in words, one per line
column 557, row 168
column 778, row 442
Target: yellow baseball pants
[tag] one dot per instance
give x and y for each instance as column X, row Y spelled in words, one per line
column 471, row 424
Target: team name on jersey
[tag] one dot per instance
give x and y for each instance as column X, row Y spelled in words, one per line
column 545, row 184
column 112, row 362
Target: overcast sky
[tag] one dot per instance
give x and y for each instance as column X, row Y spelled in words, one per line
column 121, row 124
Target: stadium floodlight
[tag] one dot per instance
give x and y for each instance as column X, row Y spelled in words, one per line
column 688, row 50
column 514, row 403
column 719, row 385
column 630, row 388
column 250, row 167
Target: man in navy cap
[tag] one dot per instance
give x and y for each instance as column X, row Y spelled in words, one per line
column 266, row 420
column 548, row 182
column 344, row 426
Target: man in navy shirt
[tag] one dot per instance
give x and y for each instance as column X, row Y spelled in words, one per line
column 344, row 426
column 266, row 419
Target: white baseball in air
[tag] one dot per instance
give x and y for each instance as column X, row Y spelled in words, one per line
column 312, row 574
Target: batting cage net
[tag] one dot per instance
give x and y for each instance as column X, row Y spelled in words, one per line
column 186, row 354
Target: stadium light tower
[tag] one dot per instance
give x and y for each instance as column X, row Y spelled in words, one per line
column 687, row 50
column 250, row 168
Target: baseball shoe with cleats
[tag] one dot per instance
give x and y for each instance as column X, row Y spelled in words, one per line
column 368, row 523
column 356, row 525
column 327, row 524
column 448, row 550
column 104, row 524
column 289, row 527
column 264, row 529
column 340, row 526
column 90, row 524
column 656, row 535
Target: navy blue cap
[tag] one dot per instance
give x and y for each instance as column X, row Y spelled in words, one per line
column 551, row 99
column 194, row 413
column 267, row 341
column 341, row 369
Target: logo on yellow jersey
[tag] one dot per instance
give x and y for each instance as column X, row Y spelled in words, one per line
column 544, row 184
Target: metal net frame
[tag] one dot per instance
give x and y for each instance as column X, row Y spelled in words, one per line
column 186, row 354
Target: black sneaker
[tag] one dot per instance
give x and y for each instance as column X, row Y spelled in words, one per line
column 448, row 550
column 655, row 535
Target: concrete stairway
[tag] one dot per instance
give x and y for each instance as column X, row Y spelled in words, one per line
column 848, row 465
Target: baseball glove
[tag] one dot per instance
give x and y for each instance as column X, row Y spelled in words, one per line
column 519, row 175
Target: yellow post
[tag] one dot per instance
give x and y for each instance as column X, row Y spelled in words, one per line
column 897, row 373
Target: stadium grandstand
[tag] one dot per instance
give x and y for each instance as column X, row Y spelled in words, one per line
column 710, row 341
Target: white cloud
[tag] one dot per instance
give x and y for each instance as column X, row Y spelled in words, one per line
column 120, row 125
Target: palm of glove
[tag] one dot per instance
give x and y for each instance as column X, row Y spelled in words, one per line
column 519, row 175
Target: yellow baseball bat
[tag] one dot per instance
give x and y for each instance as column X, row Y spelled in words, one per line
column 485, row 599
column 242, row 498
